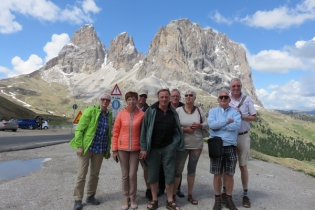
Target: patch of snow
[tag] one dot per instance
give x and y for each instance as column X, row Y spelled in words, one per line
column 71, row 44
column 12, row 95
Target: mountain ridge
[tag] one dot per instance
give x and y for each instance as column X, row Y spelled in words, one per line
column 181, row 55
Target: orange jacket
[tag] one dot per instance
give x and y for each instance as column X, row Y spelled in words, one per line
column 126, row 132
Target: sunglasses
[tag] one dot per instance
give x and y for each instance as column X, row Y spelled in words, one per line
column 233, row 86
column 190, row 95
column 143, row 96
column 105, row 99
column 223, row 97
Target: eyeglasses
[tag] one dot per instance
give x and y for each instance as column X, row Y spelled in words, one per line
column 105, row 99
column 143, row 96
column 175, row 96
column 234, row 86
column 190, row 95
column 223, row 97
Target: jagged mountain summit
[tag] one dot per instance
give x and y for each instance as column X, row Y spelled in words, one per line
column 181, row 55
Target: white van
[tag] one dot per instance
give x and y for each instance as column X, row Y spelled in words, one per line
column 45, row 125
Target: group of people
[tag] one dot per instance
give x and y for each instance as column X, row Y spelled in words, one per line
column 162, row 137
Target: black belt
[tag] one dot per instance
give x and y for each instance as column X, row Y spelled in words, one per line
column 243, row 133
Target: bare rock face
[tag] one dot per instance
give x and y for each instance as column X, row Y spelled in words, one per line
column 183, row 51
column 84, row 54
column 123, row 52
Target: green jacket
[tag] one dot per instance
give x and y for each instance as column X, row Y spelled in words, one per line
column 86, row 129
column 148, row 125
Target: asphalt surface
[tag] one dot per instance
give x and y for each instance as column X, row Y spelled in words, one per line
column 31, row 141
column 271, row 187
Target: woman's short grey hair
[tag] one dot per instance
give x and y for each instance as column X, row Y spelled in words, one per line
column 191, row 90
column 236, row 79
column 104, row 94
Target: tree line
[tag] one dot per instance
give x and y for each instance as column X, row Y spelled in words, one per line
column 265, row 140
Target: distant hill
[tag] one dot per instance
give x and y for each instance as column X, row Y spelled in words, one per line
column 309, row 112
column 9, row 110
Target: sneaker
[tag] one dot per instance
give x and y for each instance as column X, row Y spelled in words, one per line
column 217, row 204
column 246, row 201
column 78, row 205
column 230, row 204
column 223, row 197
column 92, row 200
column 148, row 194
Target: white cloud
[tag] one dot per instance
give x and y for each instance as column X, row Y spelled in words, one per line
column 25, row 67
column 299, row 44
column 300, row 56
column 303, row 49
column 287, row 97
column 217, row 17
column 4, row 70
column 90, row 6
column 57, row 42
column 307, row 85
column 7, row 23
column 274, row 61
column 279, row 18
column 44, row 10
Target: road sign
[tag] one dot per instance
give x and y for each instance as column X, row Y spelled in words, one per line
column 116, row 91
column 76, row 120
column 74, row 106
column 116, row 104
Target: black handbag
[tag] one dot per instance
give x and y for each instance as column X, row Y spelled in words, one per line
column 215, row 147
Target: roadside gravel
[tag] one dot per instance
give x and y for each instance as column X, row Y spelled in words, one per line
column 272, row 186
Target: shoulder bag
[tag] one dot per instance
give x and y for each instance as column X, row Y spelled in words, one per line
column 215, row 147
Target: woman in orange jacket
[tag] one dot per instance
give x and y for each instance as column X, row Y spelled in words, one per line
column 126, row 147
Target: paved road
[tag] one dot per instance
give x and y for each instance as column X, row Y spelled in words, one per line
column 31, row 139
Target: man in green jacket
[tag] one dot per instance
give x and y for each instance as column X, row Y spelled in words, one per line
column 161, row 136
column 92, row 142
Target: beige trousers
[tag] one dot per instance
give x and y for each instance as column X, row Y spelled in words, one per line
column 83, row 165
column 129, row 162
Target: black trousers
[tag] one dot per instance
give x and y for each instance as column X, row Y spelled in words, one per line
column 162, row 180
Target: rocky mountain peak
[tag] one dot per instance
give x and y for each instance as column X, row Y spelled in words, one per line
column 123, row 52
column 84, row 54
column 183, row 51
column 86, row 35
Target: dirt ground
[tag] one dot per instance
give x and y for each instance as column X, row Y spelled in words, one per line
column 271, row 187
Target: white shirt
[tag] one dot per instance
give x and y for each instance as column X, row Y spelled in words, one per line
column 247, row 109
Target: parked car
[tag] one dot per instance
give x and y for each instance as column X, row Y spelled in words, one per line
column 27, row 123
column 8, row 125
column 45, row 125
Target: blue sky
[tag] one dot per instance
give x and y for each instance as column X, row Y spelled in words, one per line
column 279, row 36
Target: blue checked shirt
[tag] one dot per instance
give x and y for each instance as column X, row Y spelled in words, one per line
column 99, row 143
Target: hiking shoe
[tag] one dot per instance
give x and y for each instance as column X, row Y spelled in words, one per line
column 148, row 194
column 223, row 197
column 217, row 204
column 92, row 200
column 78, row 205
column 229, row 203
column 246, row 201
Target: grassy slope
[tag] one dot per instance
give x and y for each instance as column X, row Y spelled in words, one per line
column 288, row 126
